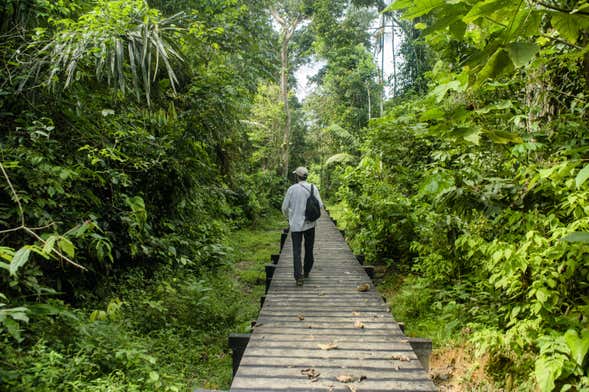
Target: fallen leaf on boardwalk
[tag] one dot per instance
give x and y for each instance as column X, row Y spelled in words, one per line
column 330, row 388
column 345, row 378
column 328, row 346
column 301, row 317
column 310, row 373
column 401, row 357
column 358, row 324
column 362, row 378
column 309, row 326
column 352, row 388
column 355, row 314
column 363, row 287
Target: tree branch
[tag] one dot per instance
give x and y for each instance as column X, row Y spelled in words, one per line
column 31, row 230
column 16, row 198
column 277, row 16
column 556, row 8
column 561, row 41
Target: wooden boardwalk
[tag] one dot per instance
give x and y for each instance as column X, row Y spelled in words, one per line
column 327, row 335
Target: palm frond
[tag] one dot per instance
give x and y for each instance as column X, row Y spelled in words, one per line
column 340, row 158
column 97, row 42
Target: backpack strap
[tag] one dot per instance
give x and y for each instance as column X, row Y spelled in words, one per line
column 310, row 191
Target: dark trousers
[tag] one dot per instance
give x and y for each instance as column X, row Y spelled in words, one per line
column 297, row 239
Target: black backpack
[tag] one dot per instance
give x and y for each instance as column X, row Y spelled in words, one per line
column 313, row 210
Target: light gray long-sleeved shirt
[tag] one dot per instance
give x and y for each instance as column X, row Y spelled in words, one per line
column 295, row 203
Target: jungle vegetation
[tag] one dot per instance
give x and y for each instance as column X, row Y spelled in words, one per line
column 145, row 147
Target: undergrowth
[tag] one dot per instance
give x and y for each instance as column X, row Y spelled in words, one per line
column 163, row 332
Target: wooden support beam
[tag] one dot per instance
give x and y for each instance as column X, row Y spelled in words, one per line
column 269, row 268
column 283, row 237
column 369, row 270
column 423, row 350
column 274, row 258
column 361, row 259
column 238, row 342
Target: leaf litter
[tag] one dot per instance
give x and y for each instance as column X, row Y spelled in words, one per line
column 311, row 374
column 400, row 357
column 327, row 346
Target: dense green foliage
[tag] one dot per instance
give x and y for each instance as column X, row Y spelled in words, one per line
column 136, row 136
column 122, row 146
column 479, row 186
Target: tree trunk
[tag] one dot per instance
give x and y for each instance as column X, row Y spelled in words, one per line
column 394, row 60
column 382, row 25
column 369, row 101
column 284, row 96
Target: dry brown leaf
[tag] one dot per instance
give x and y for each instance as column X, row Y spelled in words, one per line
column 363, row 287
column 358, row 324
column 327, row 346
column 345, row 378
column 330, row 388
column 301, row 317
column 401, row 357
column 309, row 326
column 352, row 388
column 310, row 373
column 355, row 314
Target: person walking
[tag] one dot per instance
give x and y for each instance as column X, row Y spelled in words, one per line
column 293, row 207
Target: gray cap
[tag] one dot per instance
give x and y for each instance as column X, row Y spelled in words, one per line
column 301, row 171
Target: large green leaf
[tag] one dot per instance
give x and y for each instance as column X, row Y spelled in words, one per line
column 579, row 345
column 503, row 137
column 415, row 8
column 521, row 53
column 20, row 258
column 67, row 247
column 577, row 236
column 582, row 176
column 569, row 26
column 470, row 134
column 547, row 371
column 484, row 9
column 499, row 106
column 499, row 64
column 440, row 91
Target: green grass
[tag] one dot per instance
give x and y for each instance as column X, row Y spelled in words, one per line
column 252, row 247
column 413, row 303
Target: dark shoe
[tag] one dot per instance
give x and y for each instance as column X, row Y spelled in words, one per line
column 299, row 282
column 306, row 275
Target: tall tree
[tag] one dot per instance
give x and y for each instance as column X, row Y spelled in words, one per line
column 289, row 14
